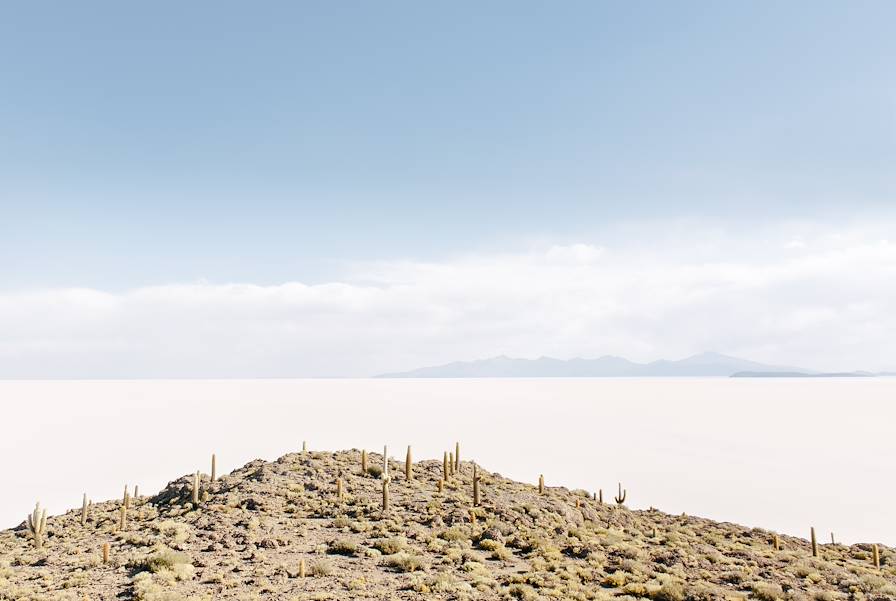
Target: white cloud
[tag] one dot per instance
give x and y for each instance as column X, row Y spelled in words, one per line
column 646, row 291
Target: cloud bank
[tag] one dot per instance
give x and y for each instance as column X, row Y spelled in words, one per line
column 803, row 294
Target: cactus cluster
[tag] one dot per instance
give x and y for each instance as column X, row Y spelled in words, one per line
column 37, row 525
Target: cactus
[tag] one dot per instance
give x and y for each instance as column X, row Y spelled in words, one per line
column 445, row 473
column 600, row 496
column 541, row 484
column 105, row 552
column 776, row 543
column 476, row 478
column 84, row 510
column 450, row 463
column 214, row 470
column 37, row 525
column 620, row 498
column 385, row 495
column 875, row 556
column 408, row 473
column 123, row 518
column 339, row 489
column 302, row 568
column 814, row 543
column 833, row 542
column 304, row 446
column 441, row 485
column 363, row 463
column 126, row 498
column 196, row 489
column 385, row 463
column 457, row 457
column 136, row 492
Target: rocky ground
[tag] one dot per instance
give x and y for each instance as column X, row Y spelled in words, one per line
column 279, row 530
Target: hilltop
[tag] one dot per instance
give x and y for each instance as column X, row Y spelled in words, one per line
column 279, row 530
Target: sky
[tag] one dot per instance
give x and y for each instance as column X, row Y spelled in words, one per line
column 343, row 189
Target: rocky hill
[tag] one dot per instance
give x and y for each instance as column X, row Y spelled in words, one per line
column 311, row 525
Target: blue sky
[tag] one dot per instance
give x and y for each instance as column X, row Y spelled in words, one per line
column 224, row 142
column 227, row 141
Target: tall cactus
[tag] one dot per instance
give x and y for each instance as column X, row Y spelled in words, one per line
column 126, row 498
column 214, row 474
column 451, row 463
column 363, row 462
column 339, row 491
column 105, row 552
column 385, row 463
column 776, row 542
column 37, row 525
column 123, row 518
column 84, row 510
column 620, row 498
column 600, row 496
column 541, row 484
column 814, row 543
column 445, row 467
column 457, row 457
column 408, row 466
column 476, row 479
column 875, row 556
column 385, row 495
column 196, row 489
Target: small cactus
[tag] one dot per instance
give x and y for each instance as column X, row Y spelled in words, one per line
column 126, row 498
column 105, row 552
column 339, row 492
column 408, row 466
column 776, row 542
column 37, row 525
column 385, row 495
column 304, row 446
column 457, row 457
column 123, row 518
column 600, row 496
column 196, row 489
column 441, row 485
column 833, row 542
column 445, row 473
column 541, row 484
column 451, row 463
column 620, row 498
column 302, row 568
column 363, row 463
column 84, row 510
column 214, row 469
column 875, row 556
column 814, row 543
column 136, row 492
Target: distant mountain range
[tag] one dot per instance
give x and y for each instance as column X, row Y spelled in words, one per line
column 704, row 364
